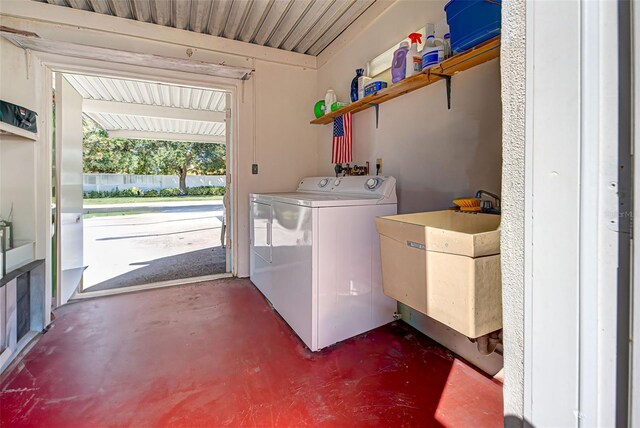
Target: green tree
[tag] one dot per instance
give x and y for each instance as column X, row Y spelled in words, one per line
column 183, row 158
column 102, row 154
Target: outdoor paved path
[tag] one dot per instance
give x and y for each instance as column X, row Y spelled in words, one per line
column 175, row 206
column 128, row 250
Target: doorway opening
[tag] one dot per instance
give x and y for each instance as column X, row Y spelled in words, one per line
column 142, row 184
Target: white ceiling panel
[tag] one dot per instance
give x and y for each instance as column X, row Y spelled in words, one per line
column 200, row 13
column 80, row 4
column 120, row 122
column 256, row 16
column 141, row 10
column 271, row 21
column 181, row 14
column 121, row 8
column 160, row 12
column 137, row 109
column 235, row 20
column 305, row 26
column 100, row 6
column 138, row 92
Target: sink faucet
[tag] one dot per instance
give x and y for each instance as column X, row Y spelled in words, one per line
column 479, row 194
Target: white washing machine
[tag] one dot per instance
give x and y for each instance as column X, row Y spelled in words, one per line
column 315, row 254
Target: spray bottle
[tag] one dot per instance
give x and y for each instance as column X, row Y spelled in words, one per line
column 414, row 61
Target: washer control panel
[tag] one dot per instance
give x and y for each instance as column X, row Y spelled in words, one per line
column 369, row 185
column 372, row 183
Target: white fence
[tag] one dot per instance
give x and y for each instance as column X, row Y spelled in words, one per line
column 106, row 182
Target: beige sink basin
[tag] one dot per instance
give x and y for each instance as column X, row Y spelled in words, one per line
column 445, row 264
column 452, row 232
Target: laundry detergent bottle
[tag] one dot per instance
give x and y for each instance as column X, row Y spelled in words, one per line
column 399, row 63
column 329, row 99
column 433, row 52
column 414, row 61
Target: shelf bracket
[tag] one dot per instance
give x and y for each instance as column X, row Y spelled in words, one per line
column 447, row 78
column 377, row 107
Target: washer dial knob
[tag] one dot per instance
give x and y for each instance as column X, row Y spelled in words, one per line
column 372, row 183
column 323, row 183
column 337, row 182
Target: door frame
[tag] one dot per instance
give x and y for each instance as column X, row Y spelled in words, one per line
column 60, row 297
column 65, row 64
column 575, row 276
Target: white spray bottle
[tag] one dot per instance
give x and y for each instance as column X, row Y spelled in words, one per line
column 414, row 60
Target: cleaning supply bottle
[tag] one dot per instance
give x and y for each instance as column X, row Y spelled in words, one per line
column 399, row 63
column 329, row 99
column 354, row 84
column 447, row 46
column 414, row 62
column 362, row 82
column 433, row 52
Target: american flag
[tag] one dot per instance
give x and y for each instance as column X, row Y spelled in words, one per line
column 342, row 147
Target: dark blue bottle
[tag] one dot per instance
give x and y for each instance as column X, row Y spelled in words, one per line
column 354, row 84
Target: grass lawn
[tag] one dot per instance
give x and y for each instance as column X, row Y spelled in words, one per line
column 114, row 214
column 133, row 200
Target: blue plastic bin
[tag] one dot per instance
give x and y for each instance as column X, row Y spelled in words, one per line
column 472, row 22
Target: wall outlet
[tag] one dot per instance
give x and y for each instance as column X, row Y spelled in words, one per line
column 379, row 165
column 254, row 168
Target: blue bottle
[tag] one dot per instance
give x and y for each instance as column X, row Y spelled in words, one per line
column 354, row 84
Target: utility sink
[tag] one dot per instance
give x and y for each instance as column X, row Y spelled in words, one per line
column 445, row 264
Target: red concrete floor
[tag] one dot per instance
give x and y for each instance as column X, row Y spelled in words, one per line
column 215, row 354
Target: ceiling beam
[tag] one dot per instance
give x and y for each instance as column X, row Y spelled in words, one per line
column 162, row 112
column 38, row 44
column 74, row 24
column 166, row 136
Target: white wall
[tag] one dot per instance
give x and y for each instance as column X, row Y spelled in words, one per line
column 513, row 209
column 435, row 154
column 17, row 168
column 284, row 140
column 25, row 177
column 24, row 163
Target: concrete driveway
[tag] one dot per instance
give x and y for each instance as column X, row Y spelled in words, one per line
column 176, row 241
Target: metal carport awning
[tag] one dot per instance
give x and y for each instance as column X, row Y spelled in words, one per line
column 152, row 111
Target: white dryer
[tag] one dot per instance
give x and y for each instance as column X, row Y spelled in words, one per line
column 315, row 255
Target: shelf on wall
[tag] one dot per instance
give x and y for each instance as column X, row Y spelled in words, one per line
column 21, row 254
column 478, row 55
column 6, row 129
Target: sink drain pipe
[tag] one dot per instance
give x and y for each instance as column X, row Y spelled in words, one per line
column 488, row 343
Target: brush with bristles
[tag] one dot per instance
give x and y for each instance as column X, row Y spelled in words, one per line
column 468, row 204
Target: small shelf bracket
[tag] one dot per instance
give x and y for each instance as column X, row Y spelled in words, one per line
column 377, row 107
column 447, row 78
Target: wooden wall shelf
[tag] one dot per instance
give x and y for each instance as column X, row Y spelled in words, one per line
column 478, row 55
column 7, row 129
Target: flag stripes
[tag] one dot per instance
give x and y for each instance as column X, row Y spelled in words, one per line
column 342, row 148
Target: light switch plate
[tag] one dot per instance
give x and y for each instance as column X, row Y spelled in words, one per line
column 254, row 168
